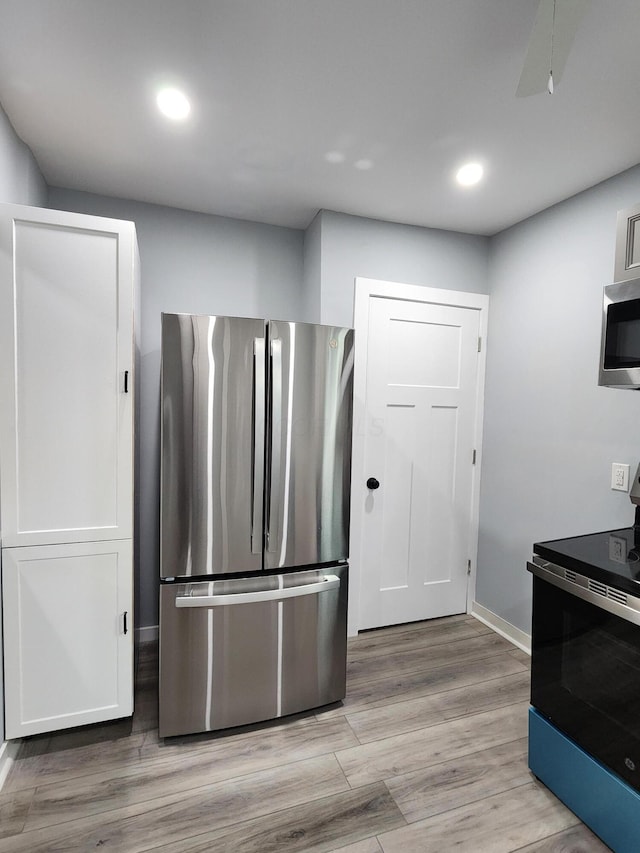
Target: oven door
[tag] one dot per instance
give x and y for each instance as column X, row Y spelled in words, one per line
column 585, row 667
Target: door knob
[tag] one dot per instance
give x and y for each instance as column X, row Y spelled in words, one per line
column 373, row 484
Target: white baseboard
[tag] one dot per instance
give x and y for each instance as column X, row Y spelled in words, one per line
column 8, row 752
column 519, row 638
column 147, row 634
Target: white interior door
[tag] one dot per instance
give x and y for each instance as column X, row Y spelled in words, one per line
column 417, row 528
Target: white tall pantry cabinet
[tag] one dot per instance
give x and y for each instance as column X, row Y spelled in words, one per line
column 67, row 287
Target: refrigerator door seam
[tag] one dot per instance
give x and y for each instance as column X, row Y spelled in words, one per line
column 280, row 625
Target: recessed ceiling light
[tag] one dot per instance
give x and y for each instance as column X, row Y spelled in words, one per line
column 173, row 104
column 469, row 174
column 363, row 165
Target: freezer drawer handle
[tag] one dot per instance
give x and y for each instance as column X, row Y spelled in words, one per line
column 329, row 582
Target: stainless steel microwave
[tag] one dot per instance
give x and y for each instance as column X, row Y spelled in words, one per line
column 620, row 348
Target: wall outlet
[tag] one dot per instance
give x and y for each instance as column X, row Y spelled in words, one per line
column 618, row 549
column 620, row 476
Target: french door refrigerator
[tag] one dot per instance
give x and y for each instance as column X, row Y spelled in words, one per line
column 255, row 484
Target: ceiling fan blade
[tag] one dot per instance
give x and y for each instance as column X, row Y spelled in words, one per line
column 548, row 29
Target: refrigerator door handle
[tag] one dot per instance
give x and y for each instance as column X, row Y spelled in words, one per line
column 275, row 441
column 327, row 583
column 257, row 430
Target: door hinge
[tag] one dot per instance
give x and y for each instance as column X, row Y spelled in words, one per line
column 468, row 567
column 479, row 344
column 473, row 461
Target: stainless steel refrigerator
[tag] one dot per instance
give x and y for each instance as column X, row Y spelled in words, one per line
column 255, row 483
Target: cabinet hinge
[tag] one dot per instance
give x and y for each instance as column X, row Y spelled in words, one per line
column 479, row 344
column 468, row 567
column 473, row 460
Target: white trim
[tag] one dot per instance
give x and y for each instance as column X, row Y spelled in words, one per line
column 147, row 634
column 365, row 289
column 8, row 754
column 519, row 638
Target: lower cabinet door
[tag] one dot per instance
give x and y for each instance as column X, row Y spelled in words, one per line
column 68, row 629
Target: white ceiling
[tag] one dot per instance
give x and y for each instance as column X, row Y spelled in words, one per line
column 415, row 86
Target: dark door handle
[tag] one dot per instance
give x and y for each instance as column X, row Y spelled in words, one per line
column 373, row 484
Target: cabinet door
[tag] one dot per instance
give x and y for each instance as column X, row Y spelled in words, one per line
column 66, row 347
column 627, row 259
column 68, row 648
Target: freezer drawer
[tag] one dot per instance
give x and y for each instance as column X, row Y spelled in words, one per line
column 239, row 651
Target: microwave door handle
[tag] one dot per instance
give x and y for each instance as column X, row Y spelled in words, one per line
column 223, row 600
column 257, row 449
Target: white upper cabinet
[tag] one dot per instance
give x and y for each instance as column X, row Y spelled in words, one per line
column 66, row 343
column 627, row 260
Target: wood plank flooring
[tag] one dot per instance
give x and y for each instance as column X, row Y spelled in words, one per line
column 427, row 753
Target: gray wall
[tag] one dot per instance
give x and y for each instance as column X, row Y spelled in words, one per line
column 353, row 246
column 550, row 432
column 191, row 263
column 196, row 263
column 20, row 183
column 312, row 271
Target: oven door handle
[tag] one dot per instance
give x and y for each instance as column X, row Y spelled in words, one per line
column 630, row 611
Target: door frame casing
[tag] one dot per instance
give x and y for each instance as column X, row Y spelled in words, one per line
column 365, row 290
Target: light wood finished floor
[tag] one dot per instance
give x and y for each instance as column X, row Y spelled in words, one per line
column 427, row 753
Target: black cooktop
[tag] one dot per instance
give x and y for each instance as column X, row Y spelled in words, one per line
column 609, row 557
